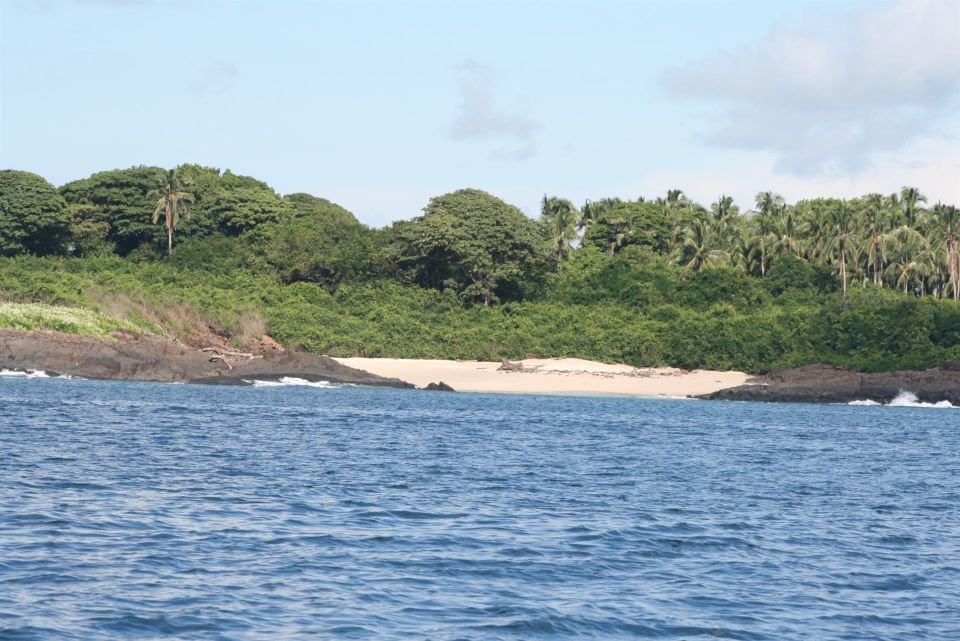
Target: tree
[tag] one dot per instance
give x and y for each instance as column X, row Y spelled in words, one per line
column 946, row 223
column 123, row 199
column 592, row 211
column 769, row 205
column 877, row 225
column 33, row 217
column 842, row 238
column 317, row 241
column 724, row 214
column 623, row 224
column 474, row 242
column 172, row 202
column 909, row 199
column 701, row 248
column 560, row 220
column 243, row 204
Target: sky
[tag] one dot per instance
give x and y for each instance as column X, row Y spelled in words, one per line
column 381, row 105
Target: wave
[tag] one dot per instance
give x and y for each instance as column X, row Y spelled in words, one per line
column 291, row 381
column 30, row 373
column 906, row 399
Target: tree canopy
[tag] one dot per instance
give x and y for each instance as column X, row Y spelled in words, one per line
column 475, row 243
column 34, row 218
column 868, row 282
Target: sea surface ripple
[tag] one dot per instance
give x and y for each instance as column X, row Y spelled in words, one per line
column 150, row 511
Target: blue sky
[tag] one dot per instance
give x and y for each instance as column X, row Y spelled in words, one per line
column 381, row 105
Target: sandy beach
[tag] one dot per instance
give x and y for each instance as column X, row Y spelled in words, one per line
column 551, row 376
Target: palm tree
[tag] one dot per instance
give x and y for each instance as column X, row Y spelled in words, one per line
column 911, row 257
column 909, row 197
column 768, row 205
column 701, row 248
column 724, row 214
column 946, row 225
column 877, row 226
column 592, row 211
column 171, row 202
column 843, row 238
column 560, row 220
column 786, row 232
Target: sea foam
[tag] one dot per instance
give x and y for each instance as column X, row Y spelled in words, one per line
column 31, row 373
column 906, row 399
column 27, row 374
column 290, row 381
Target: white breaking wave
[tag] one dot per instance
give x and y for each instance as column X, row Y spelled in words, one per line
column 906, row 399
column 33, row 373
column 288, row 381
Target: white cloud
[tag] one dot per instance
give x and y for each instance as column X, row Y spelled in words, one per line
column 827, row 100
column 931, row 165
column 480, row 118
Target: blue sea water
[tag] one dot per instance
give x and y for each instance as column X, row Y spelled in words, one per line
column 150, row 511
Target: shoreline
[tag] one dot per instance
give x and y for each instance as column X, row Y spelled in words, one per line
column 142, row 357
column 553, row 376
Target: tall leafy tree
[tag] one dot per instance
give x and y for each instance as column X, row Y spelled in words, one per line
column 33, row 217
column 171, row 204
column 592, row 211
column 701, row 248
column 123, row 199
column 560, row 220
column 843, row 238
column 946, row 225
column 910, row 199
column 769, row 206
column 472, row 241
column 631, row 223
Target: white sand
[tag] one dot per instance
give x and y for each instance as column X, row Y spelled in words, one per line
column 552, row 376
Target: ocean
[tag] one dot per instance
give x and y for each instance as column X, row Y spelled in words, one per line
column 153, row 511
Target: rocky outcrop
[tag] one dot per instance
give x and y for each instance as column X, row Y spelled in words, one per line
column 141, row 357
column 439, row 387
column 830, row 384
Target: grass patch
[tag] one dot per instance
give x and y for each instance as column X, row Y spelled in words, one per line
column 70, row 320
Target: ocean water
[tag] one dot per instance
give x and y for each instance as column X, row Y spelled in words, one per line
column 150, row 511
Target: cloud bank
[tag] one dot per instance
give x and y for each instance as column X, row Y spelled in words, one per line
column 827, row 100
column 480, row 118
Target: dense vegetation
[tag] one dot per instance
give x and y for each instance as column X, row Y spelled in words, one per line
column 870, row 283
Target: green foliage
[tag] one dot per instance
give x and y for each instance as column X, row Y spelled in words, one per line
column 864, row 282
column 630, row 223
column 88, row 236
column 790, row 272
column 33, row 216
column 869, row 329
column 70, row 320
column 317, row 241
column 122, row 199
column 242, row 208
column 475, row 243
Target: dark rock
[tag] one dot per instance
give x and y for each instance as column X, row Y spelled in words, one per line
column 831, row 384
column 439, row 387
column 150, row 358
column 951, row 366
